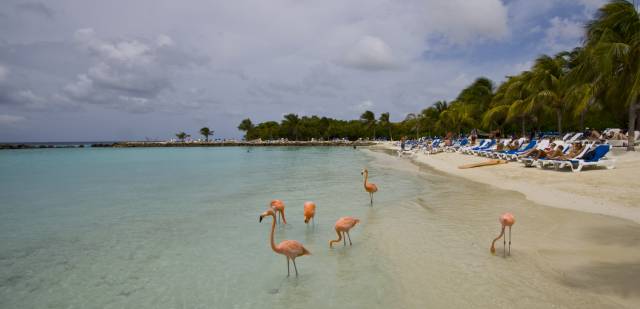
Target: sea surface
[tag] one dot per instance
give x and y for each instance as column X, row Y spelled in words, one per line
column 178, row 228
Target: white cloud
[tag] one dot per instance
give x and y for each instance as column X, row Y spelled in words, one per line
column 164, row 40
column 370, row 53
column 9, row 120
column 563, row 34
column 363, row 106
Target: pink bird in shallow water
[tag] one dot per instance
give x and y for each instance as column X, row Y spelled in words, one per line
column 368, row 186
column 278, row 207
column 506, row 220
column 309, row 212
column 289, row 248
column 343, row 225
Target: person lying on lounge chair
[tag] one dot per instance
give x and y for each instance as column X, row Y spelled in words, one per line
column 538, row 153
column 576, row 149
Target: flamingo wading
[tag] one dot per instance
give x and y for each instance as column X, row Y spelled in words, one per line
column 506, row 220
column 343, row 225
column 289, row 248
column 309, row 212
column 368, row 186
column 278, row 207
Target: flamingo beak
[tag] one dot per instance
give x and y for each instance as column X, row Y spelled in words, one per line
column 260, row 219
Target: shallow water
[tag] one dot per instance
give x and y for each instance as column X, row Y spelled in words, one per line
column 173, row 228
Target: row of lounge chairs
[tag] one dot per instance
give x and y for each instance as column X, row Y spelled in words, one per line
column 592, row 154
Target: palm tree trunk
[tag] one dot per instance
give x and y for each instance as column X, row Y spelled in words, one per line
column 582, row 114
column 559, row 113
column 524, row 133
column 390, row 136
column 632, row 126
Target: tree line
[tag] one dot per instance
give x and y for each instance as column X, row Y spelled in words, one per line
column 595, row 85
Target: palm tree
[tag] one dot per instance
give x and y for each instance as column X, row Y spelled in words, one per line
column 416, row 119
column 519, row 95
column 386, row 123
column 291, row 123
column 369, row 119
column 614, row 38
column 546, row 85
column 206, row 133
column 246, row 125
column 182, row 136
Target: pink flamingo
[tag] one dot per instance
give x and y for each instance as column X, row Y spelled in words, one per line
column 506, row 219
column 289, row 248
column 278, row 206
column 368, row 186
column 309, row 212
column 343, row 225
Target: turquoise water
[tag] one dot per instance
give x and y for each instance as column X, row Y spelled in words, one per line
column 178, row 228
column 172, row 227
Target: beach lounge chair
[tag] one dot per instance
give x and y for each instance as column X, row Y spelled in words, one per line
column 596, row 159
column 513, row 155
column 481, row 144
column 487, row 146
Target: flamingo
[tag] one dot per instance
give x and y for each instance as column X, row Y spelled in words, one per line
column 289, row 248
column 368, row 186
column 278, row 206
column 506, row 219
column 343, row 225
column 309, row 212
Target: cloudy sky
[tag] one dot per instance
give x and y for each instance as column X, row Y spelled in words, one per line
column 78, row 70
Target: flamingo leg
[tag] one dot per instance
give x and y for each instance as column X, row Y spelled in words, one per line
column 295, row 267
column 344, row 239
column 371, row 197
column 509, row 240
column 287, row 266
column 277, row 218
column 504, row 247
column 350, row 244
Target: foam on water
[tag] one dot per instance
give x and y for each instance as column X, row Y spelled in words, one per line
column 168, row 228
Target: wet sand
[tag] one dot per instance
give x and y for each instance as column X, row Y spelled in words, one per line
column 559, row 258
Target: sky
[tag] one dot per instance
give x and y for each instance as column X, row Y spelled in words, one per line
column 80, row 70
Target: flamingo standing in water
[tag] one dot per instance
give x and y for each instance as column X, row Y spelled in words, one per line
column 343, row 225
column 278, row 206
column 309, row 212
column 368, row 186
column 506, row 219
column 289, row 248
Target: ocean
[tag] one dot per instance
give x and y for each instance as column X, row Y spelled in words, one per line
column 178, row 228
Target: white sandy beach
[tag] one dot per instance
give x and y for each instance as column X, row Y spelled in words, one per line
column 609, row 192
column 591, row 259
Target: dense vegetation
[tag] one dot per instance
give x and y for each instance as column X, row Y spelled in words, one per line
column 595, row 85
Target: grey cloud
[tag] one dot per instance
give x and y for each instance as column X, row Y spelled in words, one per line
column 9, row 120
column 37, row 8
column 129, row 74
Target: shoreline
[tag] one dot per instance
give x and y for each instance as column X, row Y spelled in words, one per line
column 597, row 191
column 191, row 144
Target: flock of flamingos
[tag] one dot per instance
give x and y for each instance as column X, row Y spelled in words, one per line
column 292, row 249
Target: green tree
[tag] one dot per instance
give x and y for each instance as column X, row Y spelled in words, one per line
column 246, row 126
column 385, row 123
column 291, row 125
column 369, row 120
column 206, row 132
column 614, row 38
column 182, row 136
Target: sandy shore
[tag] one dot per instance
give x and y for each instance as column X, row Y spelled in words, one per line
column 609, row 192
column 565, row 256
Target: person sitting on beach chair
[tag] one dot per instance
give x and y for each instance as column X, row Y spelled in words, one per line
column 540, row 153
column 576, row 149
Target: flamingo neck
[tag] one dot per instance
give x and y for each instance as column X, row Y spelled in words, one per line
column 273, row 229
column 499, row 236
column 366, row 176
column 337, row 240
